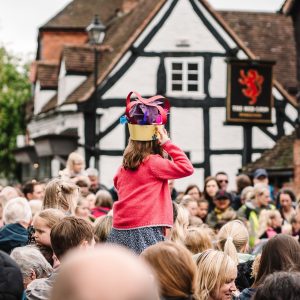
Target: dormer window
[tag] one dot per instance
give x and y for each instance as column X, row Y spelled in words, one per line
column 185, row 76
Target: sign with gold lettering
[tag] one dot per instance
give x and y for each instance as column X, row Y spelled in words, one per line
column 249, row 92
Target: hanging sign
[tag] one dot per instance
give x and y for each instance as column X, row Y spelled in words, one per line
column 249, row 92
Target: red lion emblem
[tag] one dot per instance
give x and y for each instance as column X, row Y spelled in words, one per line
column 253, row 82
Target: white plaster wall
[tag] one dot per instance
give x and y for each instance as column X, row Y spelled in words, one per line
column 291, row 112
column 217, row 83
column 276, row 94
column 261, row 140
column 227, row 163
column 255, row 156
column 196, row 178
column 115, row 140
column 108, row 169
column 184, row 25
column 140, row 77
column 223, row 136
column 41, row 97
column 67, row 83
column 288, row 128
column 186, row 126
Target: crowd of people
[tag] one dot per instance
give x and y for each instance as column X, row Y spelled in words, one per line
column 73, row 238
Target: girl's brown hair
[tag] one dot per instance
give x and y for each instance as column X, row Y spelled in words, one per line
column 207, row 179
column 103, row 198
column 281, row 253
column 102, row 228
column 174, row 269
column 137, row 151
column 198, row 239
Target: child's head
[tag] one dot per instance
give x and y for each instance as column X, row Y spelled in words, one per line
column 83, row 208
column 103, row 199
column 198, row 239
column 62, row 195
column 233, row 237
column 181, row 223
column 202, row 208
column 190, row 204
column 295, row 221
column 102, row 228
column 194, row 191
column 273, row 218
column 137, row 151
column 43, row 222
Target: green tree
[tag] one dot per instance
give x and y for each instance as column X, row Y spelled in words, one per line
column 14, row 93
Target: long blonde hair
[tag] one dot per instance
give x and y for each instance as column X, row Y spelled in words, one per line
column 214, row 268
column 181, row 223
column 61, row 194
column 232, row 238
column 137, row 151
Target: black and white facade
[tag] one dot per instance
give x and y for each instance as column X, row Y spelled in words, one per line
column 181, row 55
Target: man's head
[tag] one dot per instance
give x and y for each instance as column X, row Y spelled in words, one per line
column 93, row 175
column 222, row 200
column 222, row 179
column 106, row 272
column 260, row 176
column 33, row 190
column 69, row 233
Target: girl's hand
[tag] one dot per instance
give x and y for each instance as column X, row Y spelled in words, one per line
column 162, row 135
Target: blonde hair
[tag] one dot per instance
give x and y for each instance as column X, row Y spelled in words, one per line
column 174, row 268
column 51, row 216
column 232, row 237
column 103, row 198
column 186, row 199
column 35, row 206
column 213, row 270
column 265, row 220
column 198, row 239
column 102, row 228
column 179, row 229
column 61, row 194
column 73, row 158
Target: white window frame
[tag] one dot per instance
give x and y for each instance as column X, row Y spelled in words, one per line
column 185, row 61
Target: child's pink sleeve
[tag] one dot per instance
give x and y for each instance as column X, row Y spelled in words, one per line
column 166, row 169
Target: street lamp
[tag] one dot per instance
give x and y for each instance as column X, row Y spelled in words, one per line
column 96, row 32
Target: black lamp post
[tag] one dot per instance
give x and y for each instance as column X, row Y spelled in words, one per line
column 96, row 32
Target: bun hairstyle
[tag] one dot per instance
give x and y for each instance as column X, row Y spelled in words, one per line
column 232, row 238
column 61, row 194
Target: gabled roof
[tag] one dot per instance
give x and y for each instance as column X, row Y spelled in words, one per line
column 280, row 157
column 79, row 14
column 47, row 75
column 270, row 36
column 254, row 33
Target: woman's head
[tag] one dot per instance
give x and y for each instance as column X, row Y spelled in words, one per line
column 281, row 253
column 286, row 198
column 190, row 204
column 32, row 263
column 198, row 239
column 216, row 275
column 194, row 191
column 137, row 151
column 61, row 194
column 75, row 163
column 233, row 237
column 174, row 269
column 104, row 199
column 43, row 223
column 262, row 195
column 211, row 187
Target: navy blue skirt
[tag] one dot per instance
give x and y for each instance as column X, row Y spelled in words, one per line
column 137, row 239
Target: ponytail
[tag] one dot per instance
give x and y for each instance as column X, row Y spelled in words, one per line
column 230, row 250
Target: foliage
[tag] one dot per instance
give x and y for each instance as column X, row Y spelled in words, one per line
column 14, row 93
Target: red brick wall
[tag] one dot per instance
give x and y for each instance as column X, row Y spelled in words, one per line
column 297, row 166
column 52, row 43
